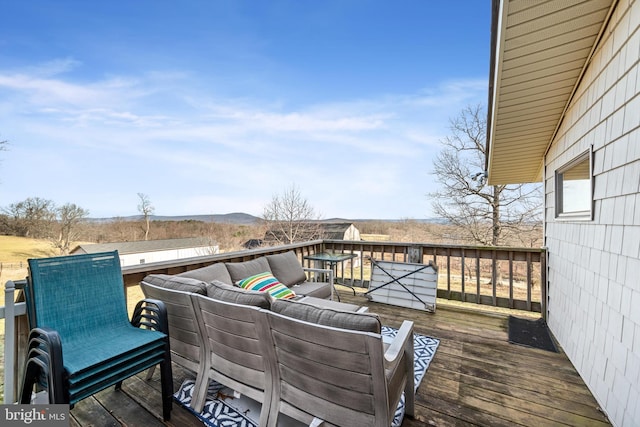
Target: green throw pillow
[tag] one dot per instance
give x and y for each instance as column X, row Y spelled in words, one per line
column 266, row 282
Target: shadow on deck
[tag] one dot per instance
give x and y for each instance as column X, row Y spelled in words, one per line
column 476, row 378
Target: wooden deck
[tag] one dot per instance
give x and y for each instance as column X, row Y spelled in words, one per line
column 476, row 378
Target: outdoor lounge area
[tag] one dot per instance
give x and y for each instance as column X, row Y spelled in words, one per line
column 563, row 111
column 476, row 376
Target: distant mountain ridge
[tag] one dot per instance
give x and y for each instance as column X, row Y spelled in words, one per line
column 230, row 218
column 246, row 219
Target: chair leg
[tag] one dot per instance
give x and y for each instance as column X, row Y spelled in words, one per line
column 31, row 372
column 199, row 396
column 166, row 381
column 150, row 372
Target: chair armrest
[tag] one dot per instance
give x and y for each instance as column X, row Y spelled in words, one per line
column 151, row 314
column 399, row 368
column 44, row 360
column 402, row 343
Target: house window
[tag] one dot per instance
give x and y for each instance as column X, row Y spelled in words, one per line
column 574, row 193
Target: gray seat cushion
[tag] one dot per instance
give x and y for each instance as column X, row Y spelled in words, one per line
column 325, row 303
column 313, row 289
column 365, row 322
column 185, row 284
column 227, row 293
column 286, row 268
column 217, row 271
column 242, row 270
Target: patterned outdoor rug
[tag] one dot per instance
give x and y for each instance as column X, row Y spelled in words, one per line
column 244, row 412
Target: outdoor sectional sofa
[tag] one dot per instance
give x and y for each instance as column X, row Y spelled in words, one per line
column 310, row 361
column 284, row 266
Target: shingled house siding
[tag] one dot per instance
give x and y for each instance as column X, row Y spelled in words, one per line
column 594, row 266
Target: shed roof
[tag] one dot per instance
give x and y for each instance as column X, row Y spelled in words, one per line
column 540, row 51
column 144, row 246
column 330, row 229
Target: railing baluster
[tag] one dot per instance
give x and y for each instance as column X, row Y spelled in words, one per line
column 361, row 265
column 529, row 281
column 510, row 279
column 478, row 276
column 494, row 276
column 448, row 273
column 464, row 299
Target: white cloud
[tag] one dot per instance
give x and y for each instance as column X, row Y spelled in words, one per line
column 195, row 152
column 54, row 67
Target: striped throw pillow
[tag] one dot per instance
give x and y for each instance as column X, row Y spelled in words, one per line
column 266, row 282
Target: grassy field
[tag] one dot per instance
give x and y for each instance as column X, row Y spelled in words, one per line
column 14, row 252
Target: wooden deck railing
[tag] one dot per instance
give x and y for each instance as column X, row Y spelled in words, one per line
column 498, row 276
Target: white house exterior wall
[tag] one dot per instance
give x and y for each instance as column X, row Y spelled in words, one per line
column 166, row 255
column 594, row 266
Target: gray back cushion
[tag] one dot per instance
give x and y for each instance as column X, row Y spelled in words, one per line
column 286, row 268
column 242, row 270
column 185, row 284
column 217, row 271
column 364, row 322
column 227, row 293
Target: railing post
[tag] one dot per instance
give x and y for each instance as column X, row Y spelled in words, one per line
column 9, row 340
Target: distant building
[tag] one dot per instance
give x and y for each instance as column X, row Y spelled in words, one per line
column 331, row 230
column 147, row 251
column 340, row 231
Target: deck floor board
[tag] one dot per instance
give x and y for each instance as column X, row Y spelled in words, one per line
column 477, row 378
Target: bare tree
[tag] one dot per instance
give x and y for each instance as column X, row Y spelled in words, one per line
column 31, row 217
column 69, row 217
column 146, row 209
column 290, row 218
column 488, row 215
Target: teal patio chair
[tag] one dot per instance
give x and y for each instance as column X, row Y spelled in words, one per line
column 81, row 339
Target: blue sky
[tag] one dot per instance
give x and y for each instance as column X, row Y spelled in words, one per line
column 212, row 107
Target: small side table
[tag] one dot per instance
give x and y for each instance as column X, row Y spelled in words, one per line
column 332, row 259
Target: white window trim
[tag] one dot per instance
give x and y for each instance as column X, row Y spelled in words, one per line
column 586, row 215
